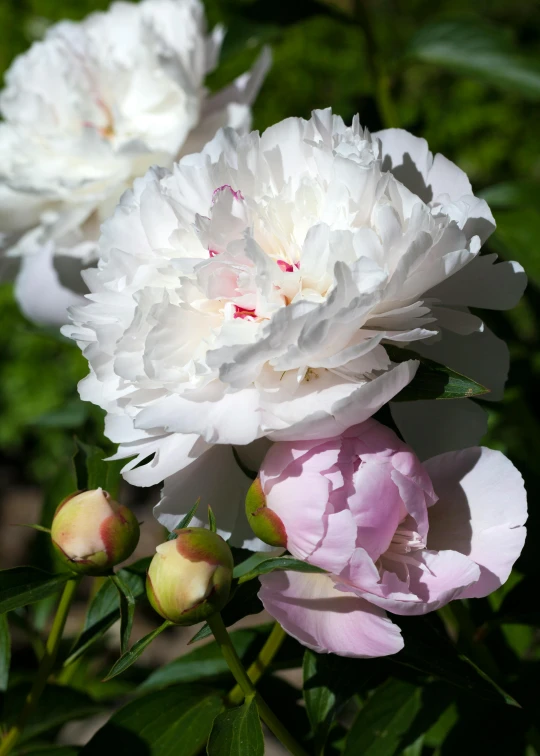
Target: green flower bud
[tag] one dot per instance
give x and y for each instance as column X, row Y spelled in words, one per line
column 92, row 533
column 189, row 578
column 263, row 521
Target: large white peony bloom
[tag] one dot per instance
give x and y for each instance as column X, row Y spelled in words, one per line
column 85, row 112
column 249, row 294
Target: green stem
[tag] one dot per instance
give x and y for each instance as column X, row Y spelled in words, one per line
column 45, row 667
column 261, row 663
column 248, row 689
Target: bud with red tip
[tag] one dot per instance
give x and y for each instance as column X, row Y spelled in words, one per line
column 92, row 533
column 189, row 578
column 264, row 522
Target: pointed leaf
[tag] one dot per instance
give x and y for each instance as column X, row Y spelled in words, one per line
column 384, row 719
column 212, row 520
column 57, row 704
column 131, row 656
column 26, row 585
column 104, row 609
column 433, row 380
column 94, row 471
column 237, row 732
column 278, row 563
column 204, row 662
column 175, row 721
column 184, row 522
column 127, row 610
column 429, row 651
column 5, row 652
column 327, row 686
column 480, row 50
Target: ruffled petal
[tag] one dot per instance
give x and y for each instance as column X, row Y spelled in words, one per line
column 311, row 610
column 484, row 283
column 423, row 582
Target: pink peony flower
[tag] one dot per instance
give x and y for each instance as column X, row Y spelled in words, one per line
column 394, row 534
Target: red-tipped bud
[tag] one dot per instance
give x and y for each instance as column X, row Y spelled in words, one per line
column 263, row 521
column 92, row 533
column 189, row 578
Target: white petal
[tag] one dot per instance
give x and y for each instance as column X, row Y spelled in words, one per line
column 481, row 511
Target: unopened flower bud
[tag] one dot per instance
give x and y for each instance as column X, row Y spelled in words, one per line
column 264, row 522
column 92, row 532
column 189, row 578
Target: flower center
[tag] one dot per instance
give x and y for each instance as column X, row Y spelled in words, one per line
column 401, row 553
column 405, row 541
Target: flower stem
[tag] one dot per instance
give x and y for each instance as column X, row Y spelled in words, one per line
column 248, row 689
column 261, row 663
column 45, row 667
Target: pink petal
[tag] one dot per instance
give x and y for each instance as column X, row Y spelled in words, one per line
column 338, row 543
column 311, row 610
column 428, row 581
column 376, row 506
column 481, row 511
column 301, row 504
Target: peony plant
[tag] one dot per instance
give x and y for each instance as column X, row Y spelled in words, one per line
column 289, row 330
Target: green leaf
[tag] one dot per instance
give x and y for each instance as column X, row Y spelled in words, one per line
column 326, row 687
column 71, row 415
column 278, row 563
column 204, row 662
column 171, row 722
column 127, row 610
column 433, row 380
column 58, row 704
column 184, row 522
column 384, row 719
column 429, row 651
column 478, row 50
column 243, row 601
column 93, row 471
column 104, row 609
column 511, row 194
column 131, row 656
column 237, row 732
column 212, row 520
column 5, row 652
column 33, row 526
column 247, row 563
column 26, row 585
column 53, row 750
column 515, row 205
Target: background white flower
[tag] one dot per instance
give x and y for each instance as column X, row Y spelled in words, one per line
column 85, row 112
column 249, row 295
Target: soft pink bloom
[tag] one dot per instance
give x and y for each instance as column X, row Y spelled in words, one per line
column 394, row 534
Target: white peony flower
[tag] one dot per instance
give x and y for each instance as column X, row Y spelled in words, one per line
column 249, row 294
column 85, row 112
